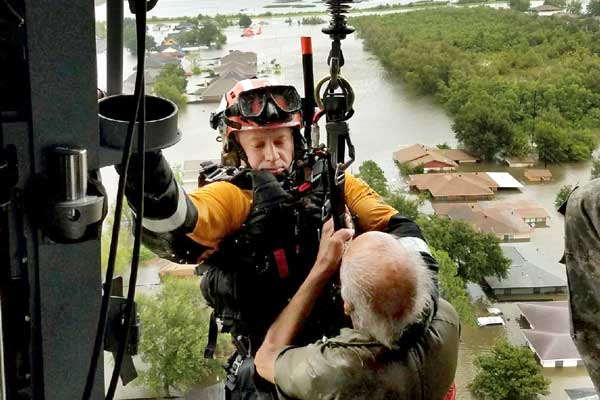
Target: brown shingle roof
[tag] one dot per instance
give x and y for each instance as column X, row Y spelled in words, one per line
column 432, row 157
column 454, row 184
column 247, row 57
column 491, row 221
column 411, row 153
column 458, row 155
column 521, row 208
column 538, row 173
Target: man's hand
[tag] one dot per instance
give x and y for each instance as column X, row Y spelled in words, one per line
column 332, row 247
column 285, row 328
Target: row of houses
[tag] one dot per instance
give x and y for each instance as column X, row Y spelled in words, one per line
column 233, row 67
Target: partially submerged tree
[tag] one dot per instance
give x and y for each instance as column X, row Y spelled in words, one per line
column 508, row 373
column 244, row 21
column 452, row 287
column 404, row 205
column 371, row 173
column 562, row 195
column 476, row 254
column 175, row 333
column 130, row 37
column 595, row 168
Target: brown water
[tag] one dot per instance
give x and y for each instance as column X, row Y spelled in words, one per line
column 387, row 117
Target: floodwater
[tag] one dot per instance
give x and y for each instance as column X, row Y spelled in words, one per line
column 387, row 117
column 182, row 8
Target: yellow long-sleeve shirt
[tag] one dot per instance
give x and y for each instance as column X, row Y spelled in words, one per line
column 223, row 208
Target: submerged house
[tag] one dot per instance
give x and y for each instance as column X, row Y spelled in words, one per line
column 525, row 280
column 433, row 159
column 548, row 333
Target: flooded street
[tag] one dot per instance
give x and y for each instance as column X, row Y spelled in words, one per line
column 387, row 117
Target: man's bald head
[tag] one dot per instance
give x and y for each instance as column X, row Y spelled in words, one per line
column 385, row 285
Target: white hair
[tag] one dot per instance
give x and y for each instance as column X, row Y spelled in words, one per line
column 381, row 305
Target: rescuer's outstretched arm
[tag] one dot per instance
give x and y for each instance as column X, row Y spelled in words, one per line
column 178, row 226
column 168, row 213
column 166, row 206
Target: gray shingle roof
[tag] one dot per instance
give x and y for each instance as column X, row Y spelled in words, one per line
column 550, row 330
column 523, row 274
column 582, row 394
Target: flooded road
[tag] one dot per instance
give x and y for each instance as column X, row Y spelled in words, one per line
column 387, row 117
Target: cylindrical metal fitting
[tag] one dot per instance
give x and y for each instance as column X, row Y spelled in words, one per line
column 71, row 173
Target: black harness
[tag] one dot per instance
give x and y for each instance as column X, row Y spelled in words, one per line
column 250, row 279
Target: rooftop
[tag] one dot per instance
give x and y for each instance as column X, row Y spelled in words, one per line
column 521, row 208
column 523, row 274
column 419, row 154
column 550, row 330
column 454, row 184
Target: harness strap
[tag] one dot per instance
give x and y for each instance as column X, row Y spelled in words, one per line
column 282, row 264
column 213, row 330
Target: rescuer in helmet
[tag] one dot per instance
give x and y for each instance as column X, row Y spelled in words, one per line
column 254, row 224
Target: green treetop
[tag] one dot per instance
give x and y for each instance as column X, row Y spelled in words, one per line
column 371, row 173
column 562, row 195
column 593, row 8
column 452, row 287
column 174, row 336
column 595, row 168
column 244, row 21
column 130, row 37
column 519, row 5
column 508, row 373
column 476, row 254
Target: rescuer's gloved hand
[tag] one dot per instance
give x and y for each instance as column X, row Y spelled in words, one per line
column 160, row 187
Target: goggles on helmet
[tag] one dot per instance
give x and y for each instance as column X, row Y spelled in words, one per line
column 252, row 103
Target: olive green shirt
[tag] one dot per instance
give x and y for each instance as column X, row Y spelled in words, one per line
column 353, row 365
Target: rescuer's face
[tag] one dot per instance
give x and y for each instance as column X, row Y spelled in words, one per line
column 268, row 149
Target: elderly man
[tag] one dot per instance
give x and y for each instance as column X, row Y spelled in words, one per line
column 386, row 290
column 582, row 256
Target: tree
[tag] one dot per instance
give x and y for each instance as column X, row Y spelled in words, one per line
column 130, row 37
column 562, row 195
column 173, row 75
column 244, row 21
column 443, row 146
column 406, row 169
column 508, row 373
column 125, row 246
column 175, row 334
column 452, row 287
column 209, row 34
column 371, row 173
column 170, row 92
column 575, row 7
column 519, row 5
column 405, row 206
column 556, row 3
column 595, row 168
column 593, row 8
column 476, row 254
column 484, row 126
column 171, row 83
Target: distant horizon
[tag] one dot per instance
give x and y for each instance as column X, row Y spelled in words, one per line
column 191, row 8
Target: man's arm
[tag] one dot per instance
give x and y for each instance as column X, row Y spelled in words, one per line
column 179, row 226
column 285, row 328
